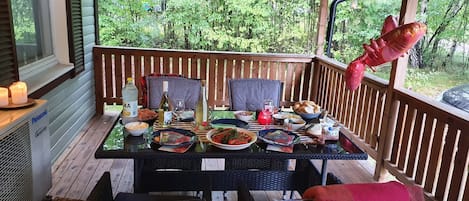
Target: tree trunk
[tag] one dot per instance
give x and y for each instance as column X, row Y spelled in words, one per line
column 187, row 46
column 450, row 55
column 434, row 52
column 416, row 56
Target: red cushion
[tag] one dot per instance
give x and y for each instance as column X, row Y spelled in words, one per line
column 390, row 191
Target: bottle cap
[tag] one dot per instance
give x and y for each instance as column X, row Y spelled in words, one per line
column 165, row 86
column 129, row 80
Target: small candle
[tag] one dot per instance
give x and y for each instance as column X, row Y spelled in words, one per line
column 19, row 93
column 3, row 96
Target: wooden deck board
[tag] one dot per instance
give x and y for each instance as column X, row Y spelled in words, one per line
column 76, row 171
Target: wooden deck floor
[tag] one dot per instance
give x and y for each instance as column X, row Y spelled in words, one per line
column 76, row 171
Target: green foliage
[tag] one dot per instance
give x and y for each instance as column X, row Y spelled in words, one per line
column 288, row 26
column 354, row 27
column 23, row 21
column 224, row 25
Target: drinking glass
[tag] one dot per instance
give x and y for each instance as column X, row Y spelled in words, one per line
column 179, row 108
column 180, row 105
column 269, row 105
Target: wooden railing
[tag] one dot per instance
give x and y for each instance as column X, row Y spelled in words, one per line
column 361, row 111
column 429, row 141
column 430, row 146
column 113, row 64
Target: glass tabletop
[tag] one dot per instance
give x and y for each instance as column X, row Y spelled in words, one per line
column 119, row 144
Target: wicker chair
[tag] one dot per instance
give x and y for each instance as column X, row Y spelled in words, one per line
column 103, row 192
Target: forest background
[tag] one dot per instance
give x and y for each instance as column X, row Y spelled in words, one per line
column 438, row 62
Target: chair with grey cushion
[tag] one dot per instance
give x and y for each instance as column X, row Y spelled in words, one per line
column 249, row 94
column 178, row 88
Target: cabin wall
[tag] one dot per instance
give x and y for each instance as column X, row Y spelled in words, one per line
column 71, row 105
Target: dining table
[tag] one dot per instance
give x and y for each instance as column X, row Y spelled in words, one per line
column 182, row 171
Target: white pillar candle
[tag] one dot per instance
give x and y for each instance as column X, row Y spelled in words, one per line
column 3, row 96
column 19, row 93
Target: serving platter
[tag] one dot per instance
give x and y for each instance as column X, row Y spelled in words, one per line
column 16, row 106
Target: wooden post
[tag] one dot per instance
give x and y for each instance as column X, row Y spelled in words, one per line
column 315, row 82
column 322, row 26
column 396, row 80
column 98, row 81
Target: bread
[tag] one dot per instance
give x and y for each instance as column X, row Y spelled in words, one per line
column 306, row 107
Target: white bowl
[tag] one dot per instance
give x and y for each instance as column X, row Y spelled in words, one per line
column 295, row 123
column 232, row 147
column 279, row 118
column 136, row 128
column 244, row 115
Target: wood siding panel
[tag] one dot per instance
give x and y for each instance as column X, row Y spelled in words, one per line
column 71, row 105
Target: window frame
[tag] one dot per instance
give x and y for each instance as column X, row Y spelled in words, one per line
column 44, row 75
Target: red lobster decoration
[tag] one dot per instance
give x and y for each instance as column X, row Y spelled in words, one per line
column 393, row 43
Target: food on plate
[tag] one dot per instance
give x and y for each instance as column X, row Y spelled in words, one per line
column 231, row 136
column 146, row 114
column 306, row 107
column 136, row 128
column 279, row 137
column 171, row 138
column 245, row 113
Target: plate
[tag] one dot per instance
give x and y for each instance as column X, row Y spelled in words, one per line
column 228, row 146
column 263, row 133
column 177, row 130
column 229, row 123
column 15, row 106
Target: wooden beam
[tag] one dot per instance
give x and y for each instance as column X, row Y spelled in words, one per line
column 322, row 26
column 396, row 80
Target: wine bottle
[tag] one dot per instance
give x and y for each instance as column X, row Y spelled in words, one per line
column 201, row 111
column 165, row 114
column 129, row 101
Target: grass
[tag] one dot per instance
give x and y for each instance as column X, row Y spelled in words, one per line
column 428, row 82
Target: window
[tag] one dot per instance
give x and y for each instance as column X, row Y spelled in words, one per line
column 32, row 30
column 38, row 31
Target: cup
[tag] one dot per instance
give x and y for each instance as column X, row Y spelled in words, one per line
column 179, row 108
column 180, row 105
column 269, row 105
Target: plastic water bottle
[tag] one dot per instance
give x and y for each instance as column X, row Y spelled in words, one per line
column 129, row 101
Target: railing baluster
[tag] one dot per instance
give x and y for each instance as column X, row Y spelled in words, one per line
column 118, row 72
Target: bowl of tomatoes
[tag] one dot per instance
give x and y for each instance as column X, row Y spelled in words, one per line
column 231, row 138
